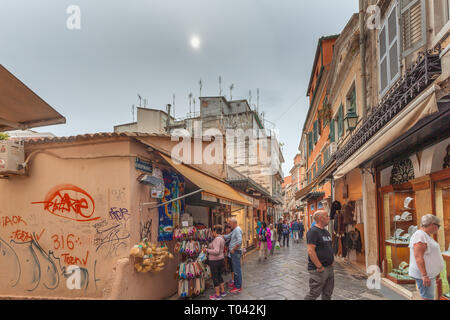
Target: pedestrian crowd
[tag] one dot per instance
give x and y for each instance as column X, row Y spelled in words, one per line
column 426, row 262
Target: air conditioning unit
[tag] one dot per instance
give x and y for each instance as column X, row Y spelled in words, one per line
column 333, row 148
column 12, row 156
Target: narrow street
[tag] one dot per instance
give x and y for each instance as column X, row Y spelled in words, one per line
column 284, row 277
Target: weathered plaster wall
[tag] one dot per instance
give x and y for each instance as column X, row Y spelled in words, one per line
column 65, row 213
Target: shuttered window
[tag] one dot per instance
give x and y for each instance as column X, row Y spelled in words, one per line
column 340, row 121
column 413, row 24
column 310, row 142
column 388, row 44
column 332, row 133
column 315, row 130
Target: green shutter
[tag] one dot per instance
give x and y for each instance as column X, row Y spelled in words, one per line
column 310, row 142
column 340, row 122
column 315, row 132
column 332, row 134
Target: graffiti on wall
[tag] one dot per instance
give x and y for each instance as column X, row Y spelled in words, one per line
column 110, row 239
column 31, row 267
column 69, row 202
column 118, row 214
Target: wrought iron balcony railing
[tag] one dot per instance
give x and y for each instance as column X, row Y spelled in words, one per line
column 415, row 80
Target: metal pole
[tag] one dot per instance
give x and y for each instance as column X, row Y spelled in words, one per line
column 164, row 203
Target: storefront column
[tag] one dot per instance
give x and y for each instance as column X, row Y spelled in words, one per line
column 370, row 219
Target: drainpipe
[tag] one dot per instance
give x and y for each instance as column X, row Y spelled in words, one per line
column 362, row 52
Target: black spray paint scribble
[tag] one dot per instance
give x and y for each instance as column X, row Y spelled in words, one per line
column 32, row 266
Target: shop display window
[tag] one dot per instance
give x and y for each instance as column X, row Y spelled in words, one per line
column 400, row 222
column 442, row 195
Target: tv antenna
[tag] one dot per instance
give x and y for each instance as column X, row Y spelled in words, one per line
column 190, row 98
column 200, row 83
column 173, row 103
column 220, row 85
column 193, row 101
column 132, row 111
column 257, row 100
column 231, row 91
column 140, row 100
column 145, row 103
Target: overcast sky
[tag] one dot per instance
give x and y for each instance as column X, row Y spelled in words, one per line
column 92, row 76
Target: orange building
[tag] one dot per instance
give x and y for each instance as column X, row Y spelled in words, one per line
column 315, row 147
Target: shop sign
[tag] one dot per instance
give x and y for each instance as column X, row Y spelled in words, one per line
column 143, row 165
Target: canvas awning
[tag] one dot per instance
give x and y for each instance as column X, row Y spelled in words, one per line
column 21, row 108
column 212, row 187
column 422, row 106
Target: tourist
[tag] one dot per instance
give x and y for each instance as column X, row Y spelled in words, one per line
column 320, row 258
column 295, row 230
column 236, row 252
column 216, row 263
column 273, row 238
column 285, row 231
column 425, row 262
column 258, row 228
column 279, row 227
column 228, row 265
column 265, row 242
column 302, row 229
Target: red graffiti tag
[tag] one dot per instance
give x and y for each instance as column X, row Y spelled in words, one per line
column 24, row 236
column 70, row 202
column 12, row 220
column 71, row 260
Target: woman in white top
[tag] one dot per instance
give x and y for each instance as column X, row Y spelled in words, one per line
column 426, row 261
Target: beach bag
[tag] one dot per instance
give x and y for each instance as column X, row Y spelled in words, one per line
column 277, row 245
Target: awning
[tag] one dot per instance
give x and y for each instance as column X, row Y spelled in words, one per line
column 419, row 108
column 212, row 187
column 21, row 108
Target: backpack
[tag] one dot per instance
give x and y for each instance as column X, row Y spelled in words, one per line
column 285, row 229
column 263, row 235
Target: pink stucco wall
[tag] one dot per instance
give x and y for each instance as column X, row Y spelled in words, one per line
column 40, row 236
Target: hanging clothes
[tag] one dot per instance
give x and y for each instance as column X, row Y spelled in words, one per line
column 336, row 205
column 359, row 211
column 349, row 209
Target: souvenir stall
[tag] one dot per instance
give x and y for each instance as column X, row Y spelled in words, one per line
column 400, row 222
column 406, row 194
column 347, row 219
column 166, row 186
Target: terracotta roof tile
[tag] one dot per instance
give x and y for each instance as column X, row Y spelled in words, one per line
column 90, row 136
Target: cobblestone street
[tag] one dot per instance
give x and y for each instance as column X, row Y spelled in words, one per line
column 284, row 276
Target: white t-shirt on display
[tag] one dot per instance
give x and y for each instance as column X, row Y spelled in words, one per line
column 433, row 257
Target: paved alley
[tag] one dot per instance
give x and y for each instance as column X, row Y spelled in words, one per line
column 284, row 276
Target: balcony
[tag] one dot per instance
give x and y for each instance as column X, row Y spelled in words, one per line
column 415, row 80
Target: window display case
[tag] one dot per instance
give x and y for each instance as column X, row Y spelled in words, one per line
column 400, row 222
column 442, row 196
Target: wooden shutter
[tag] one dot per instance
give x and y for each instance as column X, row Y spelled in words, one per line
column 315, row 131
column 340, row 122
column 310, row 142
column 413, row 23
column 332, row 134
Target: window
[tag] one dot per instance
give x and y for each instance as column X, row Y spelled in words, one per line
column 388, row 47
column 351, row 100
column 413, row 25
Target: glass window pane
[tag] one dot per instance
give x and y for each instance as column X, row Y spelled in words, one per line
column 393, row 61
column 382, row 39
column 383, row 74
column 392, row 25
